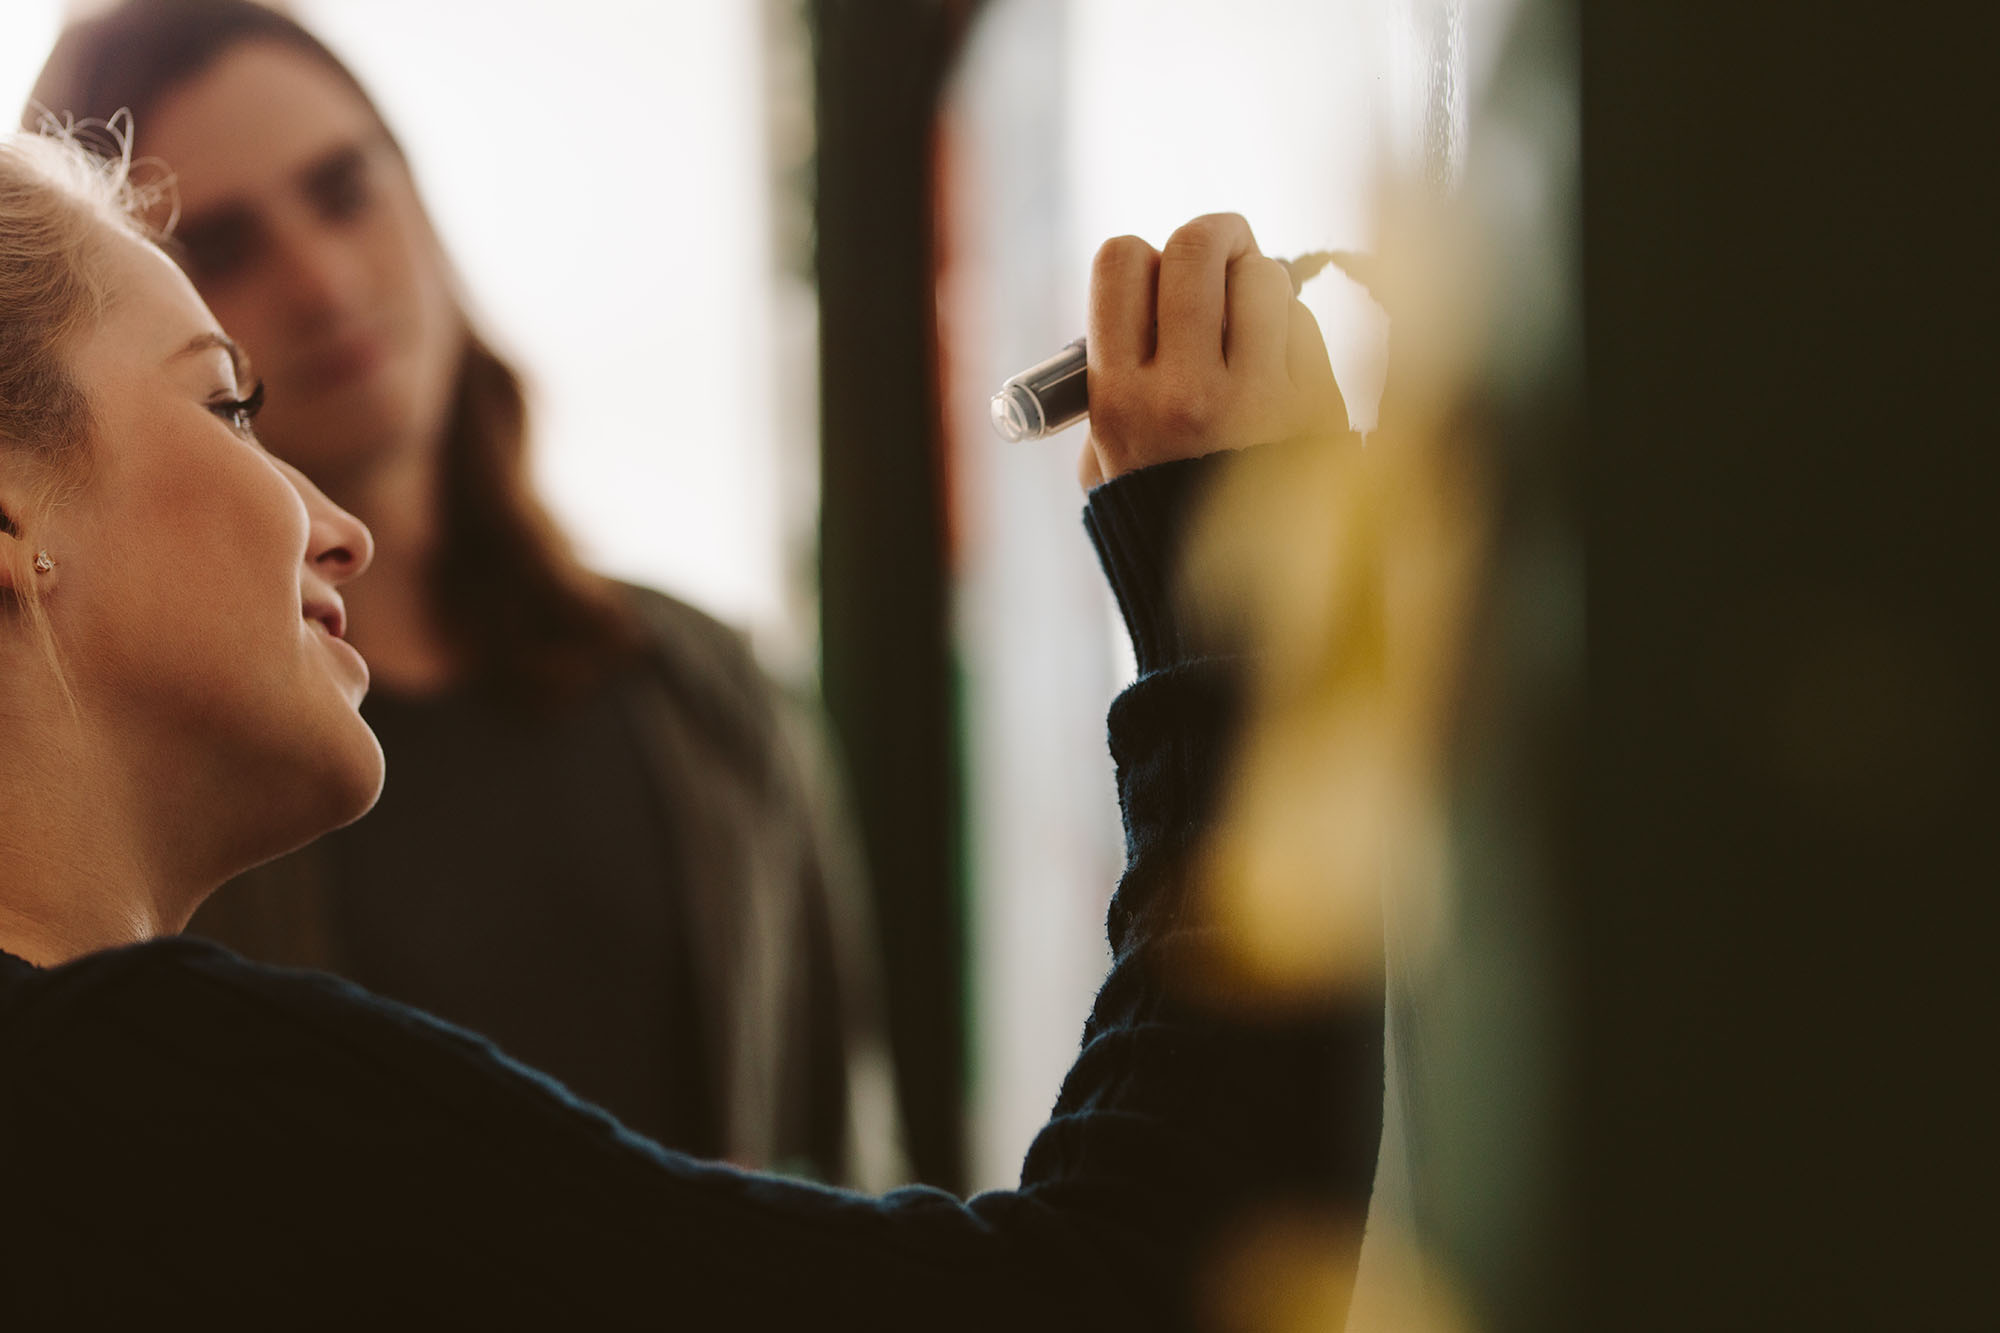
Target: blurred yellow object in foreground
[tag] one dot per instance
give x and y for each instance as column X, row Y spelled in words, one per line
column 1353, row 568
column 1287, row 1273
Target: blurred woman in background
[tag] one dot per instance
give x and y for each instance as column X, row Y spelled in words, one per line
column 606, row 846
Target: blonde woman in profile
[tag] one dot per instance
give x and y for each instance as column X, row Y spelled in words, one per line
column 192, row 1135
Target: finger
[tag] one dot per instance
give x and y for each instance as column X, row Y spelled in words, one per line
column 1311, row 371
column 1259, row 301
column 1123, row 280
column 1193, row 279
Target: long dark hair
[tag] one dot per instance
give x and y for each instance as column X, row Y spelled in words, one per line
column 528, row 619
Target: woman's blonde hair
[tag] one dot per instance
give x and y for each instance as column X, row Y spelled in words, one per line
column 58, row 200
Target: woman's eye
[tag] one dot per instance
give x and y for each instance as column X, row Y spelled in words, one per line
column 218, row 248
column 340, row 189
column 241, row 413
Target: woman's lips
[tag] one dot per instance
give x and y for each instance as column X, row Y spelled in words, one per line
column 342, row 648
column 329, row 612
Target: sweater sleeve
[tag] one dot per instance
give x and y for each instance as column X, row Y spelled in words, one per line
column 1183, row 1122
column 356, row 1160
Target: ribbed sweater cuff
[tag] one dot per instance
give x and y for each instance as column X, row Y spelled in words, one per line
column 1138, row 524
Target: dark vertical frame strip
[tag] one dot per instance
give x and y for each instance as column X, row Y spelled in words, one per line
column 886, row 652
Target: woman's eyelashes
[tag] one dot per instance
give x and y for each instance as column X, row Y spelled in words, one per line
column 241, row 412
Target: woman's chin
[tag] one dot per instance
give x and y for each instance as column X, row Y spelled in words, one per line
column 333, row 794
column 312, row 804
column 363, row 785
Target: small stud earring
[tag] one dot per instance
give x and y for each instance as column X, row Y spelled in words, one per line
column 42, row 562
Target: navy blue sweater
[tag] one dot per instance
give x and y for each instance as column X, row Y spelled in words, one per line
column 189, row 1134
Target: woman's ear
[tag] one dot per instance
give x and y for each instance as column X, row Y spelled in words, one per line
column 19, row 566
column 28, row 562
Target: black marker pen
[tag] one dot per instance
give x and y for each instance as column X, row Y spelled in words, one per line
column 1055, row 393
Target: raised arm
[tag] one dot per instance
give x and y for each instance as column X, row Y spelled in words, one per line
column 349, row 1159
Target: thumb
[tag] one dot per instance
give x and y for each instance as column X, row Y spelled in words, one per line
column 1089, row 471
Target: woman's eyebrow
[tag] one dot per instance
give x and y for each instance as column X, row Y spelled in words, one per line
column 211, row 341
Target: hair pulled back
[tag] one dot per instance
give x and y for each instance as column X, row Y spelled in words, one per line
column 58, row 203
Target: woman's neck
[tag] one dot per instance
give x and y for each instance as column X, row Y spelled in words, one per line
column 69, row 889
column 88, row 860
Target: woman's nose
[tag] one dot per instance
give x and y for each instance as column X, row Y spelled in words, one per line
column 340, row 546
column 314, row 272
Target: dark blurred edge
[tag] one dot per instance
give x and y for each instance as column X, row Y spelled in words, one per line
column 886, row 653
column 1785, row 845
column 1774, row 895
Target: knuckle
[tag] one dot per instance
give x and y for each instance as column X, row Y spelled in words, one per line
column 1267, row 272
column 1183, row 407
column 1111, row 401
column 1208, row 233
column 1121, row 254
column 1137, row 414
column 1231, row 225
column 1262, row 278
column 1192, row 240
